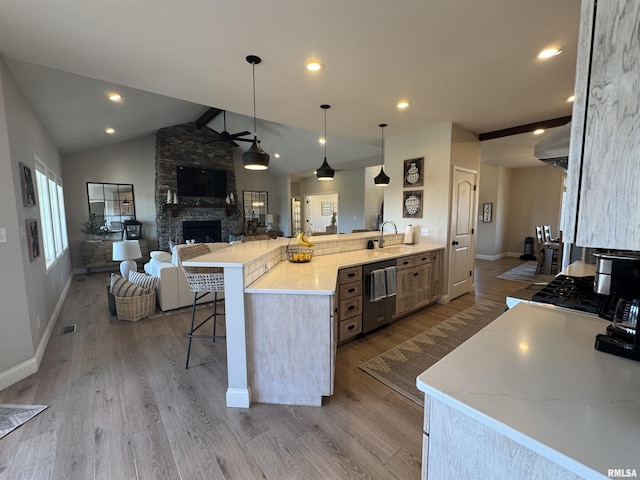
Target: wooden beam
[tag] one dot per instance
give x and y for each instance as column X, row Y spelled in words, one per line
column 207, row 116
column 530, row 127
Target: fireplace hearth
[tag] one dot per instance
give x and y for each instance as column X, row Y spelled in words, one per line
column 202, row 231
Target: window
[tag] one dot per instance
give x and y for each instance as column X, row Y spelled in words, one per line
column 52, row 214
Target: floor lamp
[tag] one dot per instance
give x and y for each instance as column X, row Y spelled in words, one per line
column 127, row 252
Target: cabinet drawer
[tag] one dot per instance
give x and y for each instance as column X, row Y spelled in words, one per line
column 352, row 274
column 349, row 328
column 423, row 258
column 350, row 307
column 349, row 290
column 406, row 262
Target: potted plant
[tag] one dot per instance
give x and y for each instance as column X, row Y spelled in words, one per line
column 91, row 227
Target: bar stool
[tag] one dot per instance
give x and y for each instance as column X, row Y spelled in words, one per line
column 201, row 280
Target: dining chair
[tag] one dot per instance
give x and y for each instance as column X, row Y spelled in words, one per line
column 540, row 249
column 546, row 233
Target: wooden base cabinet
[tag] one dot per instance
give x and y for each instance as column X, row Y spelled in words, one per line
column 458, row 446
column 349, row 303
column 419, row 281
column 99, row 254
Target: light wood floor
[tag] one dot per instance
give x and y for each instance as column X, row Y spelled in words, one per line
column 122, row 406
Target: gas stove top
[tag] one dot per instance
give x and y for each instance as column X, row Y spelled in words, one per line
column 575, row 293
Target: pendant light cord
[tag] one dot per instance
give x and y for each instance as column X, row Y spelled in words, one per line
column 325, row 133
column 382, row 129
column 255, row 128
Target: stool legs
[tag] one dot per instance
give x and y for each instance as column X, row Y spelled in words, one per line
column 194, row 328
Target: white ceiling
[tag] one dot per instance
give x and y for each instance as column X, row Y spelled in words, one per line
column 469, row 62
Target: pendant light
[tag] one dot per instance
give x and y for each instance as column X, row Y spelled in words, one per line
column 382, row 179
column 325, row 172
column 255, row 158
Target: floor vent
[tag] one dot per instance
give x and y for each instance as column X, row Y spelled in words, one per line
column 68, row 329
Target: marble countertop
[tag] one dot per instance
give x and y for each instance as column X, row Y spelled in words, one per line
column 318, row 277
column 534, row 376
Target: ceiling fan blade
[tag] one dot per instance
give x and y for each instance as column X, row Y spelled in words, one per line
column 244, row 140
column 240, row 134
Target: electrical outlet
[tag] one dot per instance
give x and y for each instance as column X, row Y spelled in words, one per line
column 38, row 320
column 3, row 235
column 424, row 232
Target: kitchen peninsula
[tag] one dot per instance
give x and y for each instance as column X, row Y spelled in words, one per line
column 280, row 324
column 530, row 397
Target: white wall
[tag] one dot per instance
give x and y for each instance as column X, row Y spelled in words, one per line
column 125, row 162
column 28, row 292
column 373, row 197
column 350, row 187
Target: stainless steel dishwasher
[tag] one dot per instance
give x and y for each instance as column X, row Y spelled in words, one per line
column 382, row 312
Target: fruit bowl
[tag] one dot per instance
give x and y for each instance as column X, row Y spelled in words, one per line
column 299, row 254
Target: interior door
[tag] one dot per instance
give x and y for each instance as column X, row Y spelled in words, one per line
column 463, row 219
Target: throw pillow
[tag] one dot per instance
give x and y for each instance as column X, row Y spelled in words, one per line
column 148, row 282
column 121, row 287
column 159, row 256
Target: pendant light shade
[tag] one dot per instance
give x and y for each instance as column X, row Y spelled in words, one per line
column 325, row 172
column 382, row 179
column 255, row 158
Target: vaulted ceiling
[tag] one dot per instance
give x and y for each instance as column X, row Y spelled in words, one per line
column 464, row 61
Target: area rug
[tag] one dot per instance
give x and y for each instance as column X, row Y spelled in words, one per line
column 12, row 416
column 398, row 367
column 525, row 272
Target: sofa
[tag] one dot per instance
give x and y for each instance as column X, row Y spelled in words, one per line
column 173, row 290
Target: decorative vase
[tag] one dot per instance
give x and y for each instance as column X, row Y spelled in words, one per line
column 413, row 175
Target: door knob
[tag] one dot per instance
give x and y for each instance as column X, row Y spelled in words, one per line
column 454, row 243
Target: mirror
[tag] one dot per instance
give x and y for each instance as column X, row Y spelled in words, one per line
column 112, row 204
column 255, row 206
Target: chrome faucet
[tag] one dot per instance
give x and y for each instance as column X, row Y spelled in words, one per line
column 380, row 241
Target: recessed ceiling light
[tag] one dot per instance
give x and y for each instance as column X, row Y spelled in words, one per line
column 322, row 140
column 550, row 52
column 314, row 65
column 115, row 97
column 538, row 131
column 277, row 155
column 402, row 104
column 110, row 130
column 572, row 98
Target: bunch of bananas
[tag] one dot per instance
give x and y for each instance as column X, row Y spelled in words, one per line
column 303, row 240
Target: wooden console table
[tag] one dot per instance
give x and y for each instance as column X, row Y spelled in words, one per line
column 98, row 254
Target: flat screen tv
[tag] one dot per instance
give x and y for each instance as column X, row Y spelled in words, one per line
column 201, row 182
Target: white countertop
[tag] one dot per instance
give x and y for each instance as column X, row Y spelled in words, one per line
column 534, row 375
column 318, row 277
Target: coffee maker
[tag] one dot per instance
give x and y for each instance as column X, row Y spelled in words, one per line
column 618, row 277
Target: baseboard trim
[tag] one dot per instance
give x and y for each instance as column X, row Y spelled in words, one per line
column 239, row 397
column 31, row 366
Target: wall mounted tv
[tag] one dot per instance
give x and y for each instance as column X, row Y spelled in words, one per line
column 201, row 182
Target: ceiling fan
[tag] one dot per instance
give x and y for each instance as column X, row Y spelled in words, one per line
column 230, row 138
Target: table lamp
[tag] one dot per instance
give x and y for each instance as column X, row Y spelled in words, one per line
column 269, row 221
column 127, row 251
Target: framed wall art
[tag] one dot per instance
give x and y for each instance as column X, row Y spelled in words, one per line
column 412, row 204
column 414, row 172
column 33, row 239
column 28, row 190
column 487, row 211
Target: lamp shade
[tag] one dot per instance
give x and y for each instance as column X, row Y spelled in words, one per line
column 126, row 250
column 269, row 218
column 255, row 158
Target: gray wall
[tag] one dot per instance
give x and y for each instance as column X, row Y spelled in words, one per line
column 30, row 297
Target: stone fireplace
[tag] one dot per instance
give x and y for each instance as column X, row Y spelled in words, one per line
column 187, row 146
column 203, row 231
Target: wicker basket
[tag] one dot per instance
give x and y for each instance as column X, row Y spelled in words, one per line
column 299, row 254
column 133, row 309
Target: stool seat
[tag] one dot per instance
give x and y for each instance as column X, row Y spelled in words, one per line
column 201, row 280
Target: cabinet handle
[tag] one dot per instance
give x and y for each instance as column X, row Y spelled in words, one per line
column 351, row 307
column 424, row 258
column 351, row 327
column 405, row 263
column 351, row 290
column 351, row 275
column 415, row 274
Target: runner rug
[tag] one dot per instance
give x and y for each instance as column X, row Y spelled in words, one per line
column 12, row 416
column 398, row 367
